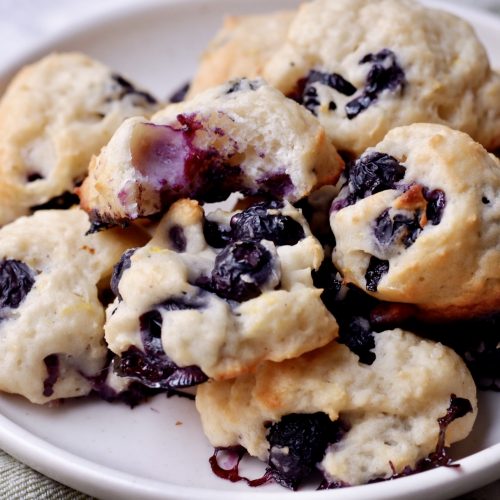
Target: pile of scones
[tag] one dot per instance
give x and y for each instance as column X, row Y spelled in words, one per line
column 350, row 150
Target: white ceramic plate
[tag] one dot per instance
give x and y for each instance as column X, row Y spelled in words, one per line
column 158, row 451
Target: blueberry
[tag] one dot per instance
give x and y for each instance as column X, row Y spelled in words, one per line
column 52, row 364
column 119, row 269
column 256, row 223
column 152, row 367
column 401, row 228
column 278, row 185
column 240, row 270
column 374, row 273
column 179, row 94
column 436, row 203
column 177, row 238
column 298, row 442
column 16, row 281
column 306, row 92
column 385, row 74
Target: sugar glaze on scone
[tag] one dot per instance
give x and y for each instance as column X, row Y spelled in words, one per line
column 241, row 48
column 221, row 292
column 418, row 222
column 51, row 318
column 364, row 67
column 386, row 413
column 54, row 116
column 242, row 136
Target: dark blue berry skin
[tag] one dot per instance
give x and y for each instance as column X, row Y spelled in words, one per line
column 306, row 436
column 177, row 238
column 307, row 94
column 179, row 94
column 240, row 270
column 16, row 281
column 256, row 223
column 385, row 74
column 372, row 173
column 374, row 273
column 436, row 203
column 52, row 364
column 151, row 366
column 119, row 269
column 61, row 202
column 216, row 235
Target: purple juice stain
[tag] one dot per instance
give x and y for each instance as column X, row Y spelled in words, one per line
column 298, row 442
column 385, row 74
column 279, row 185
column 52, row 365
column 16, row 281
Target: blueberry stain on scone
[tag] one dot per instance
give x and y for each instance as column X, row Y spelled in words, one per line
column 229, row 299
column 243, row 136
column 54, row 116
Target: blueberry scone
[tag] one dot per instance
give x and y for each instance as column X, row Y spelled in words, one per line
column 213, row 295
column 355, row 422
column 54, row 116
column 364, row 67
column 241, row 48
column 51, row 317
column 242, row 136
column 418, row 222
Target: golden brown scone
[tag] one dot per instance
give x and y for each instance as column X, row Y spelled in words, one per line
column 242, row 136
column 418, row 222
column 221, row 292
column 374, row 420
column 54, row 116
column 51, row 316
column 241, row 48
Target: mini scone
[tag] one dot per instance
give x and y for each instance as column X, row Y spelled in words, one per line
column 354, row 422
column 364, row 67
column 215, row 295
column 242, row 136
column 54, row 116
column 418, row 222
column 51, row 318
column 241, row 48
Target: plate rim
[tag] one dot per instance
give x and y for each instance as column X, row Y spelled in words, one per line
column 102, row 481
